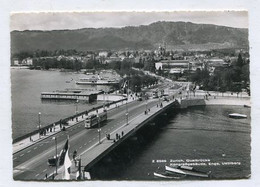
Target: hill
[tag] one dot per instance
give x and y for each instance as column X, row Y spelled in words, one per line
column 177, row 36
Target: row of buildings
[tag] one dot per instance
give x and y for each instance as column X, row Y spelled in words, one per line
column 164, row 61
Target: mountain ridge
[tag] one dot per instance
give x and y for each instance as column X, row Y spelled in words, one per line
column 130, row 37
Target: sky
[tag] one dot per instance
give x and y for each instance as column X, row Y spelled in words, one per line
column 77, row 20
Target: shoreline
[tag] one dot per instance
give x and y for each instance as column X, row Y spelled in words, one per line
column 218, row 101
column 229, row 101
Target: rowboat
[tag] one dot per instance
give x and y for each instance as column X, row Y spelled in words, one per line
column 166, row 175
column 187, row 170
column 238, row 116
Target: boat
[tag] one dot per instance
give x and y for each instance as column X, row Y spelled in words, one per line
column 237, row 116
column 166, row 175
column 97, row 82
column 187, row 170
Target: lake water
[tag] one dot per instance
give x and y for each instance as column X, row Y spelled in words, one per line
column 203, row 136
column 26, row 89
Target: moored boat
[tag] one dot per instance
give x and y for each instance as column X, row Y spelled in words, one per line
column 187, row 170
column 237, row 116
column 166, row 175
column 97, row 82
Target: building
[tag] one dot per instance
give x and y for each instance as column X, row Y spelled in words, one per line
column 16, row 62
column 27, row 61
column 173, row 66
column 103, row 54
column 214, row 63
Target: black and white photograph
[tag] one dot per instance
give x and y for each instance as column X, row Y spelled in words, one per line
column 130, row 96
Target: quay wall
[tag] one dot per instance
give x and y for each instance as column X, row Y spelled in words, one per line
column 237, row 101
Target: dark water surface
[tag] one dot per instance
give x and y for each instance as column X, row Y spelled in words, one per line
column 220, row 145
column 26, row 88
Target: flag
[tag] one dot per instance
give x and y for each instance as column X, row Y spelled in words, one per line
column 64, row 161
column 78, row 174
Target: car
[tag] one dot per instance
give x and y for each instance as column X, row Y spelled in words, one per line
column 52, row 161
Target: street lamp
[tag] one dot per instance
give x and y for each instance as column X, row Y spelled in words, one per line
column 126, row 113
column 76, row 106
column 146, row 105
column 99, row 130
column 39, row 118
column 99, row 134
column 56, row 155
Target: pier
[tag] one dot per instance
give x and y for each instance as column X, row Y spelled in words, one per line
column 89, row 96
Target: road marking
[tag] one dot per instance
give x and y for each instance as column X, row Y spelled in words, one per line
column 89, row 140
column 29, row 151
column 44, row 170
column 37, row 175
column 35, row 148
column 80, row 147
column 41, row 145
column 14, row 158
column 85, row 144
column 21, row 155
column 94, row 138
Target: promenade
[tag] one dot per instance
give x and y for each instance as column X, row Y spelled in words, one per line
column 26, row 142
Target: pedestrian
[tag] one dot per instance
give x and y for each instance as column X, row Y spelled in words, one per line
column 74, row 156
column 122, row 133
column 46, row 176
column 30, row 139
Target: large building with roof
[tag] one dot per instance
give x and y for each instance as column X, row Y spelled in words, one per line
column 173, row 66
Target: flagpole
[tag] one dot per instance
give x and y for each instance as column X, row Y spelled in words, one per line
column 56, row 155
column 126, row 103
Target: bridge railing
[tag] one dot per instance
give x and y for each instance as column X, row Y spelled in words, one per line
column 65, row 120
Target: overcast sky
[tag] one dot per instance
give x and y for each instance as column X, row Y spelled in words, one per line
column 76, row 20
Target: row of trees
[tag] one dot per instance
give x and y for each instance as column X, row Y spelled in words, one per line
column 233, row 78
column 54, row 63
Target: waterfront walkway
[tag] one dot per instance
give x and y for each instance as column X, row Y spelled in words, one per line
column 26, row 142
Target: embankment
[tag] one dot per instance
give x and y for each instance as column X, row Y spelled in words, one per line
column 188, row 102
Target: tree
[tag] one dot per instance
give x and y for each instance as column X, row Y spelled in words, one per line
column 239, row 61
